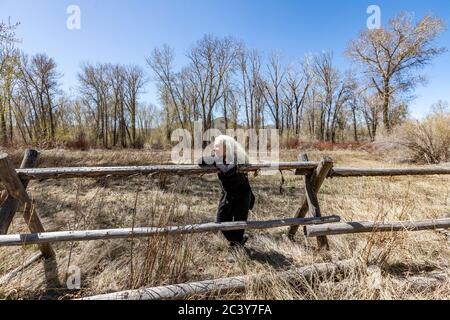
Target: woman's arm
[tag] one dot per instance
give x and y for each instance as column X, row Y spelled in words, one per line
column 206, row 161
column 226, row 169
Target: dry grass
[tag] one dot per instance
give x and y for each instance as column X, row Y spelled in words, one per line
column 108, row 266
column 424, row 141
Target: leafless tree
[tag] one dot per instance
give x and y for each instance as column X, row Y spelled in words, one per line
column 334, row 93
column 273, row 89
column 95, row 89
column 39, row 86
column 391, row 56
column 134, row 83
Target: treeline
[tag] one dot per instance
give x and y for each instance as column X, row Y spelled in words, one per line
column 110, row 94
column 106, row 109
column 309, row 98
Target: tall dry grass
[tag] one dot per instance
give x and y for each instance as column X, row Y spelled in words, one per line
column 109, row 266
column 424, row 141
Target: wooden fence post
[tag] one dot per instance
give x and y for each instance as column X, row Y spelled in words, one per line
column 10, row 204
column 313, row 183
column 16, row 189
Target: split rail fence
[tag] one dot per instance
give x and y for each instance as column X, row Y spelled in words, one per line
column 16, row 181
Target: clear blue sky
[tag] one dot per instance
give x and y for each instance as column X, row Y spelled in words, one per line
column 127, row 31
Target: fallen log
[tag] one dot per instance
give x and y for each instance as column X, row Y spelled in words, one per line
column 368, row 227
column 423, row 283
column 61, row 236
column 226, row 285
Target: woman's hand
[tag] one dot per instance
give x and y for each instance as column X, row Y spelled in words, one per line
column 206, row 161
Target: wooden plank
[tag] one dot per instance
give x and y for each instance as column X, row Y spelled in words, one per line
column 11, row 181
column 365, row 227
column 11, row 204
column 35, row 226
column 92, row 172
column 61, row 236
column 300, row 168
column 15, row 188
column 319, row 176
column 388, row 172
column 231, row 284
column 311, row 197
column 313, row 205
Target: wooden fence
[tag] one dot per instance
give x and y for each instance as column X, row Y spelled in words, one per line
column 16, row 181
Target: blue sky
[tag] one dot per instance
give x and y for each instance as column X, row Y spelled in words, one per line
column 127, row 31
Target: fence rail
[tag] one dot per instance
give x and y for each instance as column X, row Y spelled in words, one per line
column 92, row 172
column 64, row 236
column 367, row 226
column 388, row 172
column 300, row 167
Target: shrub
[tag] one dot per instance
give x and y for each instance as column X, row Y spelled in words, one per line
column 425, row 141
column 290, row 143
column 79, row 143
column 139, row 143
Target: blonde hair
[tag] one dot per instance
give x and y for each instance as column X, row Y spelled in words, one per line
column 238, row 152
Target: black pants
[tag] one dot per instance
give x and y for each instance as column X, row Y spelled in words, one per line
column 234, row 208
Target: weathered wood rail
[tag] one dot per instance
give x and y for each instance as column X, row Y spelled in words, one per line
column 365, row 227
column 64, row 236
column 95, row 172
column 15, row 182
column 388, row 172
column 302, row 168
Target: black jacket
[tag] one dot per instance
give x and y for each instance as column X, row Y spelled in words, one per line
column 234, row 183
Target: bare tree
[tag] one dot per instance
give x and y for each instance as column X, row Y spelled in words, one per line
column 134, row 83
column 8, row 70
column 273, row 90
column 252, row 87
column 39, row 85
column 173, row 87
column 95, row 89
column 211, row 60
column 148, row 119
column 390, row 55
column 117, row 78
column 298, row 83
column 334, row 94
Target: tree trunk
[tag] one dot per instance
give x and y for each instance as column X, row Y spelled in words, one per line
column 386, row 105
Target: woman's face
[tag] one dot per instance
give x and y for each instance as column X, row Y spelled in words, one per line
column 218, row 148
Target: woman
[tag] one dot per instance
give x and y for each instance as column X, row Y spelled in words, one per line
column 237, row 196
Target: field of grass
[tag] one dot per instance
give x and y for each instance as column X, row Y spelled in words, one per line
column 108, row 266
